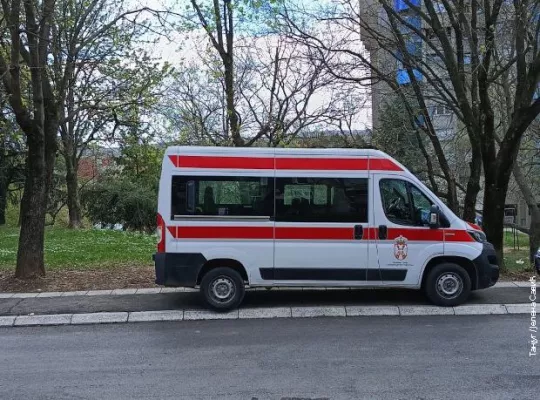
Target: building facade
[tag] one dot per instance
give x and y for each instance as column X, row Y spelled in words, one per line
column 388, row 62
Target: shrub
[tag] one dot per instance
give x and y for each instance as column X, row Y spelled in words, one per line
column 121, row 201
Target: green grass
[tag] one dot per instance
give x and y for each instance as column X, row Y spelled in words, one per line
column 516, row 260
column 83, row 249
column 521, row 240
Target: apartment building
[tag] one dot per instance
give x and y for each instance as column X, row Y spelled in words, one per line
column 448, row 128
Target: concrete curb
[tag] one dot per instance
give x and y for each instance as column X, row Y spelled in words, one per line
column 261, row 313
column 142, row 291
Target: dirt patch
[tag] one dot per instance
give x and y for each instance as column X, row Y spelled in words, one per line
column 121, row 278
column 517, row 275
column 68, row 280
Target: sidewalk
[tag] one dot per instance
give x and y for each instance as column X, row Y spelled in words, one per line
column 183, row 304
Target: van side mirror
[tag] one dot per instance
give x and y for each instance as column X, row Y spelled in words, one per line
column 434, row 215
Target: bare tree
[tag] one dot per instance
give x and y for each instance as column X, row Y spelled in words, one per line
column 446, row 50
column 218, row 22
column 283, row 91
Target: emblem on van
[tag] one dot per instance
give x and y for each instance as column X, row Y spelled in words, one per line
column 400, row 248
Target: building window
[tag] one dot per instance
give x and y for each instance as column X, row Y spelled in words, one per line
column 322, row 200
column 233, row 196
column 402, row 76
column 442, row 109
column 401, row 5
column 445, row 134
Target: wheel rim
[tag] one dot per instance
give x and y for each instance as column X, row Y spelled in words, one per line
column 222, row 289
column 449, row 285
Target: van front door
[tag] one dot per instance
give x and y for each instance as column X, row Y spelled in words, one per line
column 404, row 240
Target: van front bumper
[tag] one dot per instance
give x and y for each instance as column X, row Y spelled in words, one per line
column 487, row 267
column 178, row 269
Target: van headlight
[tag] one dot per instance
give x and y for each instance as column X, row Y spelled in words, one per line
column 480, row 237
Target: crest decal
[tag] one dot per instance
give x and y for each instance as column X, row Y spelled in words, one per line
column 400, row 248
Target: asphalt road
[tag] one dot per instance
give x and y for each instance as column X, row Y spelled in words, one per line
column 260, row 298
column 327, row 358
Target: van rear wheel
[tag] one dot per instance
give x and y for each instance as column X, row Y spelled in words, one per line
column 447, row 285
column 223, row 288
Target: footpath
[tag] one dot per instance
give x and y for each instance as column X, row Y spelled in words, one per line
column 169, row 304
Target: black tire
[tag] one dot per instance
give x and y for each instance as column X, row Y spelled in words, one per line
column 448, row 285
column 223, row 289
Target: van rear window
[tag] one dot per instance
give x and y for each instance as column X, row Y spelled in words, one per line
column 222, row 195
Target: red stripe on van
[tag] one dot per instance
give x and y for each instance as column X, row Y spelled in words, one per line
column 314, row 233
column 224, row 232
column 474, row 226
column 435, row 235
column 223, row 162
column 326, row 164
column 458, row 235
column 383, row 164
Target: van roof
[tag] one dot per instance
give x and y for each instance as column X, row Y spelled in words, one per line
column 246, row 151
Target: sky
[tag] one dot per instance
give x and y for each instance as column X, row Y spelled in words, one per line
column 180, row 47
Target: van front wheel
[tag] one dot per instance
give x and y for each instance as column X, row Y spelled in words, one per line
column 447, row 285
column 223, row 288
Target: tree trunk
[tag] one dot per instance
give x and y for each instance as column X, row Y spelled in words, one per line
column 496, row 187
column 30, row 256
column 473, row 188
column 73, row 201
column 493, row 217
column 232, row 114
column 3, row 199
column 528, row 196
column 3, row 183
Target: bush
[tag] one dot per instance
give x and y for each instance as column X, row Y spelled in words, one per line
column 121, row 201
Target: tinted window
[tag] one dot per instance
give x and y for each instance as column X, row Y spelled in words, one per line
column 422, row 206
column 322, row 200
column 405, row 204
column 234, row 196
column 395, row 201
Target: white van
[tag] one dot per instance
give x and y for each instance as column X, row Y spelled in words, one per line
column 235, row 217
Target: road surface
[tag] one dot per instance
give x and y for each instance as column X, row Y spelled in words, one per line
column 324, row 358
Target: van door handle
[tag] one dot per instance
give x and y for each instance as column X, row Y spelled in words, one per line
column 358, row 232
column 383, row 232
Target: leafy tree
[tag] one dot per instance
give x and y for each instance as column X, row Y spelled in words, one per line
column 12, row 151
column 110, row 77
column 128, row 195
column 47, row 47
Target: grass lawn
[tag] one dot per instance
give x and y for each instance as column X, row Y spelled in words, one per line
column 516, row 254
column 83, row 249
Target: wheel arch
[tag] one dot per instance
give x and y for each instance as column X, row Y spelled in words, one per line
column 223, row 262
column 463, row 262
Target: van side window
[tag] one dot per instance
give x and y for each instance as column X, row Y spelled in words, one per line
column 222, row 195
column 322, row 200
column 421, row 206
column 396, row 202
column 405, row 204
